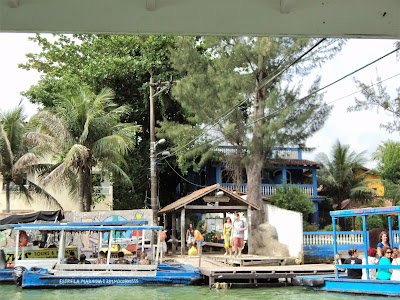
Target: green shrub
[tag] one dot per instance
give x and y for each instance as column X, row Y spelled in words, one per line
column 330, row 227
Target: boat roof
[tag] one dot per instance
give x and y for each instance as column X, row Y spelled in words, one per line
column 107, row 223
column 366, row 211
column 87, row 227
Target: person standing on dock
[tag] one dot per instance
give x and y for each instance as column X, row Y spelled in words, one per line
column 228, row 236
column 239, row 227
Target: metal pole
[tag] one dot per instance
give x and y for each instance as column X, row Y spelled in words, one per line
column 109, row 246
column 61, row 249
column 153, row 176
column 365, row 243
column 16, row 247
column 390, row 230
column 335, row 246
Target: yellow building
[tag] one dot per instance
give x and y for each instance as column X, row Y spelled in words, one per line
column 373, row 181
column 19, row 203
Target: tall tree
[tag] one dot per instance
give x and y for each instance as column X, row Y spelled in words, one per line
column 16, row 161
column 388, row 157
column 122, row 63
column 340, row 174
column 223, row 85
column 378, row 97
column 84, row 132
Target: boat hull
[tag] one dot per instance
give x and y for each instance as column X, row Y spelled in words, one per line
column 355, row 286
column 6, row 276
column 165, row 275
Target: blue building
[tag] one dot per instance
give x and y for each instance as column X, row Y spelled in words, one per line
column 285, row 166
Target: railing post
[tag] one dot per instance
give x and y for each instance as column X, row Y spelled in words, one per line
column 365, row 243
column 335, row 251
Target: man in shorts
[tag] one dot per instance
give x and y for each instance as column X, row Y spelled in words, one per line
column 239, row 227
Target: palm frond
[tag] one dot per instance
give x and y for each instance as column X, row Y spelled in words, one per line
column 38, row 190
column 6, row 146
column 25, row 164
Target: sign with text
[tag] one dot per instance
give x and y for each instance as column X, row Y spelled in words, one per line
column 216, row 199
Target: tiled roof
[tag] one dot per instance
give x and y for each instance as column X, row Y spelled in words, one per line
column 292, row 162
column 201, row 193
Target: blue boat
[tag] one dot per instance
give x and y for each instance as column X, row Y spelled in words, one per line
column 340, row 282
column 63, row 275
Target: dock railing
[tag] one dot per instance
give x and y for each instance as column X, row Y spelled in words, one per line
column 343, row 238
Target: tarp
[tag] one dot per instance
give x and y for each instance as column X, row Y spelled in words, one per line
column 29, row 218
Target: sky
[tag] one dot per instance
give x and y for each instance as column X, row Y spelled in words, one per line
column 361, row 130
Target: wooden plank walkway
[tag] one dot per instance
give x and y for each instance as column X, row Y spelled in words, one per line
column 219, row 274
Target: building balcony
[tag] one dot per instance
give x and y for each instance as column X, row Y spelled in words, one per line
column 268, row 190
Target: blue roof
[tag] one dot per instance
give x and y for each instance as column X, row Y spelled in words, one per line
column 86, row 227
column 109, row 223
column 366, row 211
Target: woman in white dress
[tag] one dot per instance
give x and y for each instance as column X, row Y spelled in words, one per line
column 395, row 262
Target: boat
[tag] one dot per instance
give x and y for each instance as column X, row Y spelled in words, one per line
column 340, row 282
column 62, row 275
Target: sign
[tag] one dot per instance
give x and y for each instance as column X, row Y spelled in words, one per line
column 216, row 199
column 41, row 253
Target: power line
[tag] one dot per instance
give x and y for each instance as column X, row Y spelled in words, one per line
column 183, row 178
column 325, row 87
column 262, row 85
column 355, row 92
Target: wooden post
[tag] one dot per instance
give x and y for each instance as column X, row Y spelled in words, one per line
column 158, row 246
column 249, row 241
column 165, row 221
column 173, row 235
column 183, row 217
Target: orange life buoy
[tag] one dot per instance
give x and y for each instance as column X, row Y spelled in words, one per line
column 23, row 239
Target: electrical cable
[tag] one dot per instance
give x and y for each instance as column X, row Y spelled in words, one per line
column 183, row 178
column 262, row 85
column 325, row 87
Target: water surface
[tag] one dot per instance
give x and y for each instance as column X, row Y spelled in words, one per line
column 172, row 292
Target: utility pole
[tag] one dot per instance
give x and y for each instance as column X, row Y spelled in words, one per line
column 166, row 85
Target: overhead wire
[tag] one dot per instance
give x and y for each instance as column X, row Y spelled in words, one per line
column 262, row 85
column 324, row 87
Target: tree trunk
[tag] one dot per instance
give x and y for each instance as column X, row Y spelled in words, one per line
column 81, row 190
column 89, row 190
column 8, row 206
column 257, row 156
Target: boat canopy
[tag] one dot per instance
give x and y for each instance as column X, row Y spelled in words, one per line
column 86, row 227
column 32, row 217
column 366, row 211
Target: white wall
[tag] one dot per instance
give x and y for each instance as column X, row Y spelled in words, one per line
column 289, row 226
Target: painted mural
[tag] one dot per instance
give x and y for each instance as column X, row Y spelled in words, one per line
column 90, row 243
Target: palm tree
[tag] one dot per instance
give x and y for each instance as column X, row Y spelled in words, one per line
column 340, row 176
column 83, row 132
column 15, row 161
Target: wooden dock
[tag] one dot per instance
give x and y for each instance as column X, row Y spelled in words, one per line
column 222, row 272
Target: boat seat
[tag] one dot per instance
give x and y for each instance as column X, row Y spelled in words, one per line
column 101, row 267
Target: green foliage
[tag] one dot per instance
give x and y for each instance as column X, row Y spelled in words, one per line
column 292, row 198
column 339, row 175
column 377, row 96
column 330, row 227
column 122, row 63
column 212, row 236
column 375, row 221
column 221, row 75
column 84, row 132
column 309, row 227
column 15, row 160
column 388, row 157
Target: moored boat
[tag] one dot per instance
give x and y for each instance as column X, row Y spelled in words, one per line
column 95, row 275
column 340, row 283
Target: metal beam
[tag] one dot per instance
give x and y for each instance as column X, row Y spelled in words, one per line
column 210, row 208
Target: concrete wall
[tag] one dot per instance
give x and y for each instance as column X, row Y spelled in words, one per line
column 289, row 226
